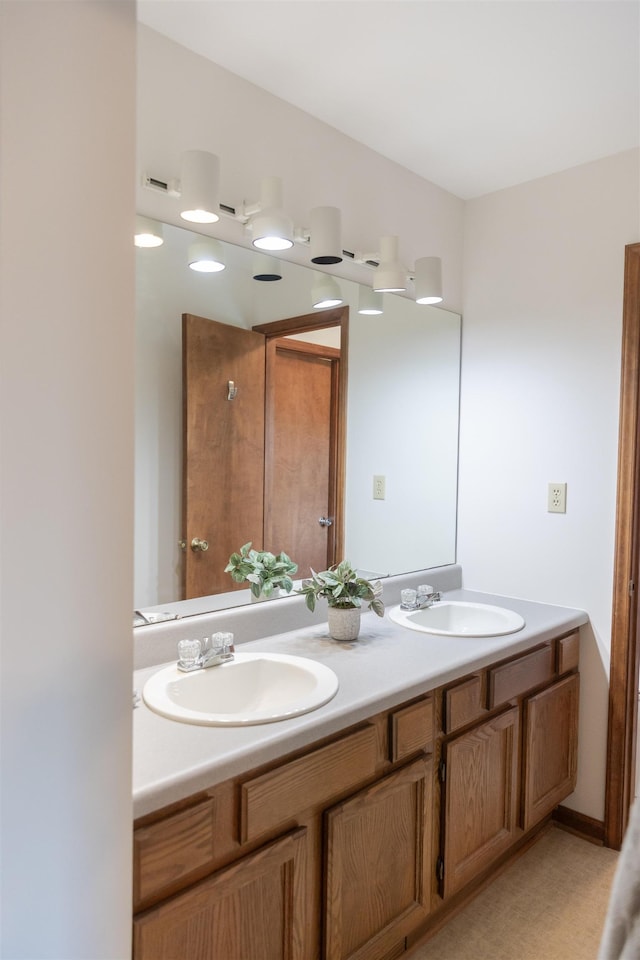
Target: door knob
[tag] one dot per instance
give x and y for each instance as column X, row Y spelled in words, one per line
column 325, row 521
column 199, row 545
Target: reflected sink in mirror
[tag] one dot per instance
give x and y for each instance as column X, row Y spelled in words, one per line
column 252, row 688
column 458, row 618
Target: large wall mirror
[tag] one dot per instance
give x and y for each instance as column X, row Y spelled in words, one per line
column 402, row 409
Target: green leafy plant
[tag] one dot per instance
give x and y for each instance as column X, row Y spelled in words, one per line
column 264, row 571
column 341, row 586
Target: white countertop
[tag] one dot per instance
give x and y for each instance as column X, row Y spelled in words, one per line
column 387, row 665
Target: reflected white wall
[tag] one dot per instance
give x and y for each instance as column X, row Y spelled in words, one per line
column 403, row 425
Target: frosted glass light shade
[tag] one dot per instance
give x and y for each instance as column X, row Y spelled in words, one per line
column 199, row 186
column 148, row 233
column 206, row 256
column 325, row 230
column 429, row 280
column 390, row 276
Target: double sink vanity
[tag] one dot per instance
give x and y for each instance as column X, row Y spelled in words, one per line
column 351, row 828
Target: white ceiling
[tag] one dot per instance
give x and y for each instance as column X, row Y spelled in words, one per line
column 473, row 95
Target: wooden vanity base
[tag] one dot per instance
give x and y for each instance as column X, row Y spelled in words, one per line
column 361, row 846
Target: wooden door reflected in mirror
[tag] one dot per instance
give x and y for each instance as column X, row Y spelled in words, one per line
column 263, row 459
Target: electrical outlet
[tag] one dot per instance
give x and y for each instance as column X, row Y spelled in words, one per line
column 378, row 488
column 557, row 498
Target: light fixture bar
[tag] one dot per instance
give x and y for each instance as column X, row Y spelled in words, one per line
column 170, row 187
column 388, row 270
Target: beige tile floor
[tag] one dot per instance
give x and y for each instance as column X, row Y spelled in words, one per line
column 550, row 904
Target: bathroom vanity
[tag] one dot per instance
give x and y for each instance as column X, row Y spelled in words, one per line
column 353, row 830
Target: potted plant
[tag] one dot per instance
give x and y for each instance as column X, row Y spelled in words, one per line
column 265, row 572
column 344, row 591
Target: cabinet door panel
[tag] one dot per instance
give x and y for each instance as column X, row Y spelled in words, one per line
column 480, row 798
column 253, row 910
column 379, row 864
column 550, row 749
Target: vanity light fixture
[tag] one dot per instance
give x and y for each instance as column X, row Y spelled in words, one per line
column 325, row 292
column 369, row 302
column 148, row 233
column 271, row 228
column 428, row 276
column 389, row 276
column 325, row 235
column 206, row 256
column 266, row 268
column 199, row 186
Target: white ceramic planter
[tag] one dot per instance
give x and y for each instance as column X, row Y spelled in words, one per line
column 344, row 623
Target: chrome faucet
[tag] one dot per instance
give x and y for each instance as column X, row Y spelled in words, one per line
column 426, row 599
column 210, row 652
column 419, row 599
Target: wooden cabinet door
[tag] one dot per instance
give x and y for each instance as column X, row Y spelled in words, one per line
column 550, row 749
column 379, row 865
column 252, row 910
column 480, row 798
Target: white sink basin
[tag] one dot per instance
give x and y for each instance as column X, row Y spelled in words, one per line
column 252, row 688
column 457, row 618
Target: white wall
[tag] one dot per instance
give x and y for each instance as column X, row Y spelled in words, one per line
column 540, row 395
column 66, row 343
column 187, row 102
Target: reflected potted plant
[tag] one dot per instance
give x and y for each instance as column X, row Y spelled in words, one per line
column 344, row 591
column 266, row 573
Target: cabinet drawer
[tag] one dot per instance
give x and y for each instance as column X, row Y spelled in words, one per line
column 568, row 652
column 316, row 779
column 462, row 704
column 172, row 849
column 514, row 678
column 411, row 730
